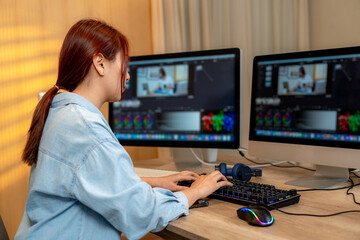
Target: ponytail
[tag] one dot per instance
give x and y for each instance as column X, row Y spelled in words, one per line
column 41, row 112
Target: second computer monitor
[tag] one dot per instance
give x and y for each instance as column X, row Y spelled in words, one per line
column 188, row 99
column 305, row 107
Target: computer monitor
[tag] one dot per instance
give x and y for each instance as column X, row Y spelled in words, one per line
column 181, row 100
column 305, row 107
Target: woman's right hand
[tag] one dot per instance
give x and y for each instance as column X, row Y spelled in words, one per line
column 205, row 185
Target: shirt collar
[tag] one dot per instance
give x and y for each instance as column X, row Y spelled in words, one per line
column 65, row 98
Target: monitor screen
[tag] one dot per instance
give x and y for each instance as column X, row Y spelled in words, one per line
column 308, row 98
column 305, row 107
column 188, row 99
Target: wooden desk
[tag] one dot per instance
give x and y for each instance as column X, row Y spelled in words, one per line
column 220, row 221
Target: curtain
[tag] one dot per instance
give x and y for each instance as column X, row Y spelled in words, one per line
column 255, row 26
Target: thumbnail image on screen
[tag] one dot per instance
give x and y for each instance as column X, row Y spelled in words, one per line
column 304, row 79
column 164, row 81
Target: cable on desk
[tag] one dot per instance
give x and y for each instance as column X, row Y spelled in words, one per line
column 243, row 149
column 200, row 160
column 349, row 193
column 325, row 189
column 316, row 215
column 353, row 172
column 333, row 189
column 274, row 164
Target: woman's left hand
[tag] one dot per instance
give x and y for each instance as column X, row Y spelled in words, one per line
column 170, row 182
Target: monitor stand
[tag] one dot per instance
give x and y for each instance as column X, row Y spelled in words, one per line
column 184, row 159
column 324, row 177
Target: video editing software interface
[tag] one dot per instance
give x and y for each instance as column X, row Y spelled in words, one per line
column 190, row 98
column 307, row 98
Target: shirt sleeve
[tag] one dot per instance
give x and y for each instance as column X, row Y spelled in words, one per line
column 106, row 183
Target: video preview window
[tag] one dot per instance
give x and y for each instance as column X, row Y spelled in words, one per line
column 164, row 81
column 307, row 79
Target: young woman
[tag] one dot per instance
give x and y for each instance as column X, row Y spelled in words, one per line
column 82, row 183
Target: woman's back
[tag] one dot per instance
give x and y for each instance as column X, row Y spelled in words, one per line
column 74, row 128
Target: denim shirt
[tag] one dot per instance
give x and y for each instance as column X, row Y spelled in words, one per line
column 84, row 185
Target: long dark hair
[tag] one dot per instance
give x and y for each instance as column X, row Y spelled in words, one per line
column 85, row 39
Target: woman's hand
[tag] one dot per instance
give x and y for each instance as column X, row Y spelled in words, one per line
column 205, row 185
column 170, row 182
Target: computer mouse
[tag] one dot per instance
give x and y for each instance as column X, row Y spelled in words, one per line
column 256, row 215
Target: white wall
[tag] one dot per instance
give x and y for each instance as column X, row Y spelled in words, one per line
column 334, row 23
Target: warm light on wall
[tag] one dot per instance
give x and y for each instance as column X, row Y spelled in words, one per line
column 31, row 34
column 28, row 65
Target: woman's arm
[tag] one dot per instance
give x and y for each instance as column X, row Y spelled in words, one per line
column 202, row 187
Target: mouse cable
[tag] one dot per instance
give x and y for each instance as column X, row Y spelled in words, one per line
column 274, row 164
column 316, row 215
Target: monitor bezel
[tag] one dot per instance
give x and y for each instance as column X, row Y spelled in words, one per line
column 295, row 55
column 193, row 144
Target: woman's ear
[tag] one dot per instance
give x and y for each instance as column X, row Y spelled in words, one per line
column 99, row 63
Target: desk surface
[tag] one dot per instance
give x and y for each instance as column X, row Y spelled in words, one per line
column 220, row 221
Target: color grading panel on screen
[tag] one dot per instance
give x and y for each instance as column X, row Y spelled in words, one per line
column 311, row 100
column 182, row 99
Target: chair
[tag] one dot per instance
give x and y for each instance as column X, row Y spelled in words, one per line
column 3, row 233
column 181, row 88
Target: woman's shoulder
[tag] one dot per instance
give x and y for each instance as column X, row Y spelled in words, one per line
column 72, row 132
column 93, row 122
column 75, row 121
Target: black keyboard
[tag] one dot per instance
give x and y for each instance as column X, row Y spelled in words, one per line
column 250, row 193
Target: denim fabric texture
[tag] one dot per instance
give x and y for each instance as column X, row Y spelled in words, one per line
column 84, row 185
